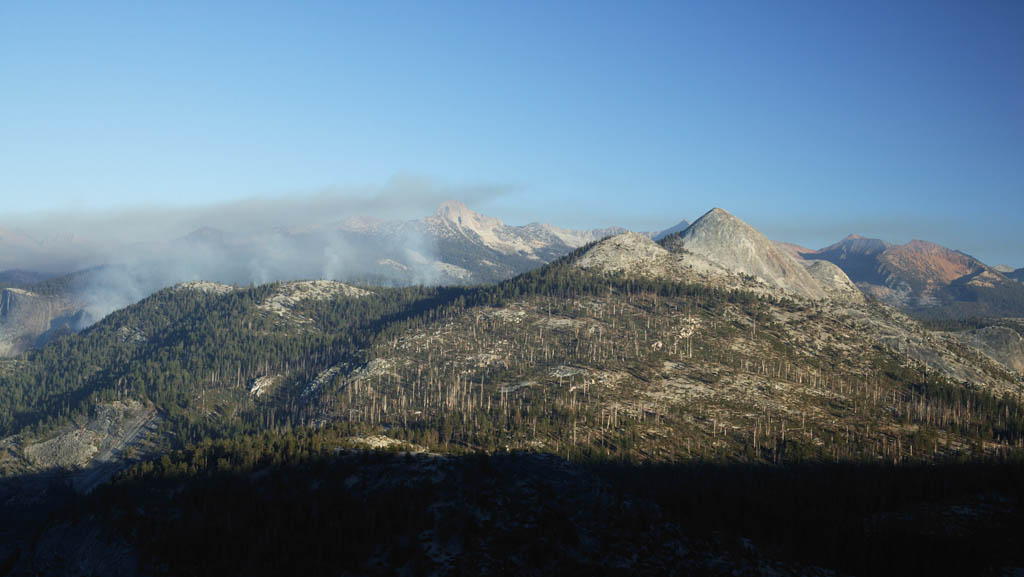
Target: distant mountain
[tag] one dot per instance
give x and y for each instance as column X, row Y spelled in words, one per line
column 55, row 254
column 1017, row 275
column 680, row 227
column 455, row 245
column 856, row 255
column 471, row 247
column 15, row 238
column 204, row 234
column 794, row 250
column 924, row 277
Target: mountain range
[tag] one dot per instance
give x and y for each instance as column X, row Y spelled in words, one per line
column 925, row 278
column 458, row 246
column 711, row 345
column 454, row 246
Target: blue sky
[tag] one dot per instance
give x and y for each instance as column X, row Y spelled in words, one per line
column 809, row 120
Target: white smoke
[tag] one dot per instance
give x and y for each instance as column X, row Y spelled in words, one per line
column 129, row 254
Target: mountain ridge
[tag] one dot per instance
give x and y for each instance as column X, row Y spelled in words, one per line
column 924, row 277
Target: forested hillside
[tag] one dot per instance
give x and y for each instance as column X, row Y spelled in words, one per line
column 271, row 392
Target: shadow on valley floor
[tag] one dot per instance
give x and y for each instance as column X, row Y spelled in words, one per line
column 358, row 513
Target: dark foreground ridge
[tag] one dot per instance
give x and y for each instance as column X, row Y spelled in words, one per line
column 287, row 504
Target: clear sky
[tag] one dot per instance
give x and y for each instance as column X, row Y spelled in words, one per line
column 809, row 120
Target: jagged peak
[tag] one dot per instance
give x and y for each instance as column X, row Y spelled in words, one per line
column 454, row 210
column 455, row 213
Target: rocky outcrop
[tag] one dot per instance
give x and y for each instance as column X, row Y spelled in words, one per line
column 1000, row 343
column 215, row 288
column 28, row 319
column 287, row 296
column 833, row 280
column 629, row 253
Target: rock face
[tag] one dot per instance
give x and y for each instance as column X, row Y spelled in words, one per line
column 69, row 450
column 680, row 227
column 28, row 319
column 1001, row 343
column 833, row 280
column 736, row 246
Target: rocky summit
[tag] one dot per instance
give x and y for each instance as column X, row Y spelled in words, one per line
column 738, row 247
